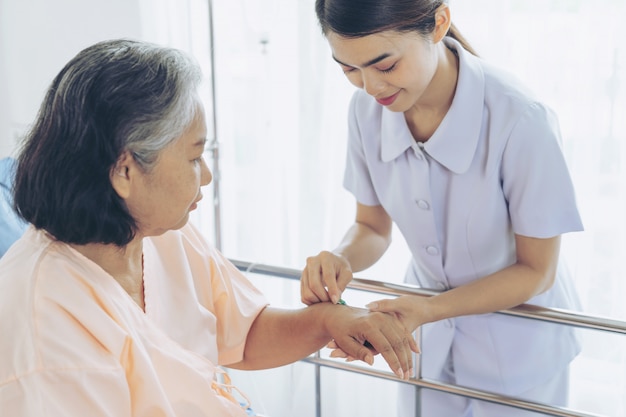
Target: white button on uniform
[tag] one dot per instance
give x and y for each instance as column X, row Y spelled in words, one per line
column 423, row 204
column 432, row 250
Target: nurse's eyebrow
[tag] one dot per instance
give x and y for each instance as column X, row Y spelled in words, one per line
column 368, row 63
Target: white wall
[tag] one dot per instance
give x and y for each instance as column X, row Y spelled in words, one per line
column 37, row 37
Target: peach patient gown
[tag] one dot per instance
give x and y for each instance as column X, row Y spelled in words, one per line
column 73, row 342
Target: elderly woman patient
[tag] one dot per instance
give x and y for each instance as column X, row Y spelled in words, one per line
column 112, row 303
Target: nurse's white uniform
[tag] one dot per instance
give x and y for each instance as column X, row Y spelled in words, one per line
column 493, row 168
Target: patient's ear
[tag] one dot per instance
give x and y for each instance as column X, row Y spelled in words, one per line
column 121, row 174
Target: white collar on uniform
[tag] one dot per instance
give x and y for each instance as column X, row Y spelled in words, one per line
column 454, row 142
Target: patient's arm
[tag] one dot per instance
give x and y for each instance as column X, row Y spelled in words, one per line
column 280, row 336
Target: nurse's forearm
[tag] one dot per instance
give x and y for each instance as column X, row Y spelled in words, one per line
column 508, row 288
column 362, row 246
column 532, row 274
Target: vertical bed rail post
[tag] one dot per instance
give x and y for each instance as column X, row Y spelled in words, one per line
column 318, row 387
column 418, row 373
column 215, row 145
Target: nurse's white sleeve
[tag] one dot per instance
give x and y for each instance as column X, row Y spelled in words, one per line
column 535, row 177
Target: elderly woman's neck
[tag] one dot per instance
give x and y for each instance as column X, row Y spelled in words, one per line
column 125, row 264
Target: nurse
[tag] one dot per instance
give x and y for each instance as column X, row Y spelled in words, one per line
column 467, row 163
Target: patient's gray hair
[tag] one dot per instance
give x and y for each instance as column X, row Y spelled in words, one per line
column 147, row 91
column 113, row 97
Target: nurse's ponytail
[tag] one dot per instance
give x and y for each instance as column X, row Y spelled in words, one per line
column 354, row 19
column 455, row 34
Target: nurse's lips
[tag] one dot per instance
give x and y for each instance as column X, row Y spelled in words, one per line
column 387, row 100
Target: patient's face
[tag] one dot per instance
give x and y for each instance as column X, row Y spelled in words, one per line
column 162, row 199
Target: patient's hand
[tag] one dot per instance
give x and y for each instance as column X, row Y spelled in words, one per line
column 361, row 334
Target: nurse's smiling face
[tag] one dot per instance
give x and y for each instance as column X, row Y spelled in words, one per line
column 394, row 68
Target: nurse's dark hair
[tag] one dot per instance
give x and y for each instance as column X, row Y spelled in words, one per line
column 113, row 97
column 357, row 18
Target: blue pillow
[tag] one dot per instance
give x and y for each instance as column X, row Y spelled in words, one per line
column 11, row 226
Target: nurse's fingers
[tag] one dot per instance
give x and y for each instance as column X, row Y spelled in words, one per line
column 324, row 278
column 312, row 288
column 336, row 274
column 411, row 310
column 329, row 279
column 343, row 279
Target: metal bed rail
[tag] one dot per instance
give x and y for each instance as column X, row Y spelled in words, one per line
column 559, row 316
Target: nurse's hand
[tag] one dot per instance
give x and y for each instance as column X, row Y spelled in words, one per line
column 411, row 310
column 360, row 334
column 324, row 278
